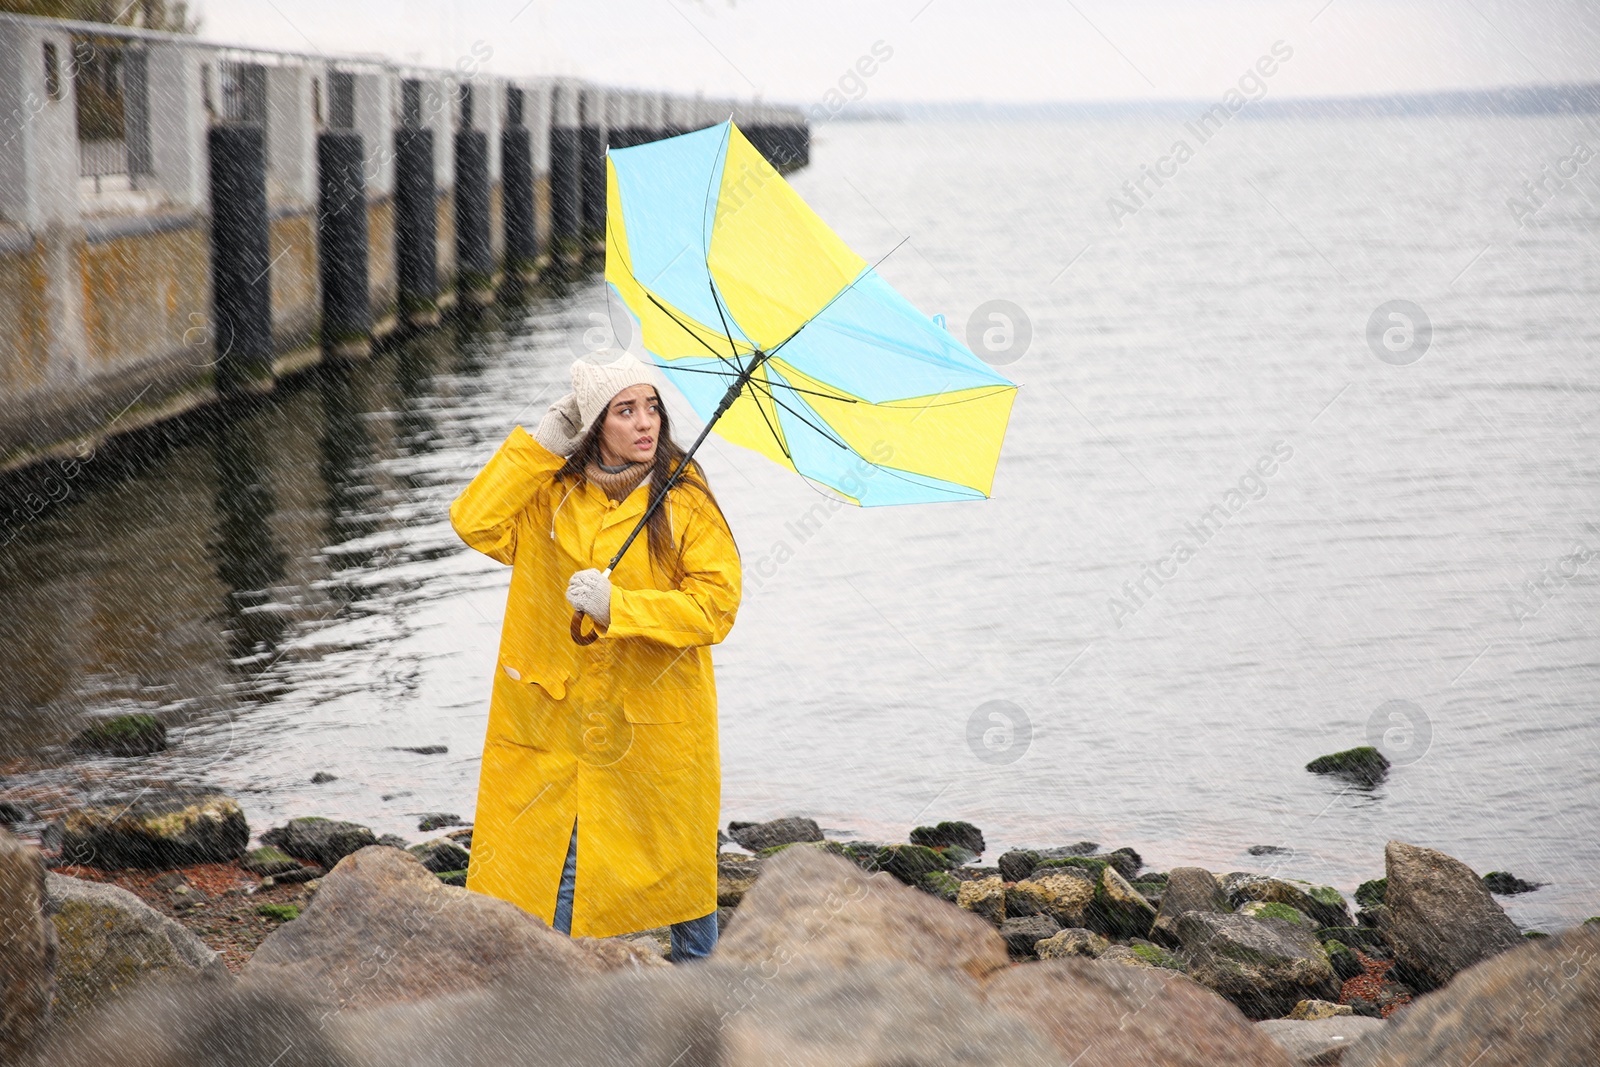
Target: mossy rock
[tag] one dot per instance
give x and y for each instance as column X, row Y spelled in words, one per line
column 154, row 830
column 1505, row 884
column 1151, row 891
column 941, row 884
column 281, row 912
column 1365, row 765
column 1371, row 893
column 1368, row 939
column 1591, row 919
column 963, row 834
column 458, row 878
column 1273, row 910
column 1325, row 895
column 910, row 863
column 123, row 735
column 1118, row 910
column 1534, row 935
column 1125, row 860
column 1083, row 863
column 268, row 860
column 1018, row 863
column 1156, row 956
column 1346, row 964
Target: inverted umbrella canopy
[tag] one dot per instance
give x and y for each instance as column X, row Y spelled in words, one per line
column 734, row 279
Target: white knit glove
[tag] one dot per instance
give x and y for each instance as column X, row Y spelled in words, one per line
column 590, row 592
column 559, row 430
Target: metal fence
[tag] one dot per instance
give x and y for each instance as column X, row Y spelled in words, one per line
column 126, row 103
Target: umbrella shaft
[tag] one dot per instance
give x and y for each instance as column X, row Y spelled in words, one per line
column 722, row 407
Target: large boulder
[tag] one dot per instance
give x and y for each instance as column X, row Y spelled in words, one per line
column 1265, row 966
column 1319, row 1042
column 27, row 948
column 1324, row 904
column 1438, row 916
column 812, row 909
column 985, row 898
column 872, row 1014
column 197, row 1021
column 110, row 941
column 791, row 830
column 1537, row 1004
column 1064, row 894
column 707, row 1015
column 166, row 828
column 1188, row 889
column 322, row 841
column 1105, row 1015
column 383, row 929
column 1120, row 910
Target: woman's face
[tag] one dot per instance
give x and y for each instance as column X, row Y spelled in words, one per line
column 632, row 427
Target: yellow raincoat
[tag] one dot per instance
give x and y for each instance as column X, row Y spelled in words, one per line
column 620, row 734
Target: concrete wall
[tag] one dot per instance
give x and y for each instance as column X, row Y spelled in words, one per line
column 106, row 316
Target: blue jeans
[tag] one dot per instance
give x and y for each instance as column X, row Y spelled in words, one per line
column 692, row 939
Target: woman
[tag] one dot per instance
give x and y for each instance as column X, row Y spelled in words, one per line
column 600, row 791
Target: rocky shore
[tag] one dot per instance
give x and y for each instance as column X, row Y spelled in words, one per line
column 150, row 932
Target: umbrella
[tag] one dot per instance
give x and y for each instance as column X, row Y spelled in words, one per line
column 783, row 339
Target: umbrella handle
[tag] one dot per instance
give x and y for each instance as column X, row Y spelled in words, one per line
column 578, row 636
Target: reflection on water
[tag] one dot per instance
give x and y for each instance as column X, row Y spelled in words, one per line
column 249, row 561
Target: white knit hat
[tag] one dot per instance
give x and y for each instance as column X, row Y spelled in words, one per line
column 595, row 383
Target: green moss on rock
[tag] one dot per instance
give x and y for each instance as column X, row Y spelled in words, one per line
column 1155, row 955
column 1370, row 894
column 910, row 863
column 962, row 834
column 123, row 735
column 268, row 860
column 941, row 884
column 281, row 912
column 1278, row 911
column 1363, row 764
column 1085, row 863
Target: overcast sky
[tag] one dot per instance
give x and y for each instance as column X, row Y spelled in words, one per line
column 1000, row 50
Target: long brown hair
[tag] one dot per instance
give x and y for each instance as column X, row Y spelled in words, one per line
column 668, row 456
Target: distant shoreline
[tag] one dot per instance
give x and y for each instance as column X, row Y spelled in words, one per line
column 1570, row 99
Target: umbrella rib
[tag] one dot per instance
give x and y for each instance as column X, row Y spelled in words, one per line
column 824, row 433
column 778, row 385
column 906, row 405
column 837, row 295
column 717, row 300
column 691, row 333
column 776, row 436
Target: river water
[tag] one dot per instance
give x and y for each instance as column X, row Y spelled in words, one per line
column 1226, row 536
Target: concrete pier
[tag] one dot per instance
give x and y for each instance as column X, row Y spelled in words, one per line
column 261, row 210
